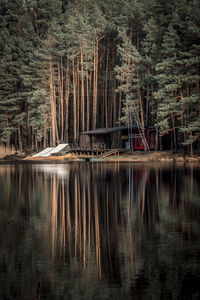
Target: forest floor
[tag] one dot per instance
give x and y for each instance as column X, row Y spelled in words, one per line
column 157, row 156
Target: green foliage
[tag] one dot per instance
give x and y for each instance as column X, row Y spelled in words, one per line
column 155, row 40
column 126, row 74
column 14, row 45
column 177, row 76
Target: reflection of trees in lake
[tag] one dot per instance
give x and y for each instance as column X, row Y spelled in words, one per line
column 97, row 224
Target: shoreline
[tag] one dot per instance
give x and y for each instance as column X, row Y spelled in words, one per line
column 140, row 157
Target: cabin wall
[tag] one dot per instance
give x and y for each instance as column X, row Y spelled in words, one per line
column 116, row 140
column 93, row 141
column 101, row 141
column 119, row 139
column 85, row 140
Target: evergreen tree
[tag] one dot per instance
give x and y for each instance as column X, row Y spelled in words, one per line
column 59, row 60
column 178, row 78
column 190, row 62
column 150, row 55
column 128, row 75
column 42, row 76
column 168, row 94
column 14, row 45
column 46, row 11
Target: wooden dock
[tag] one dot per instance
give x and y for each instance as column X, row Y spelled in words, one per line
column 110, row 152
column 96, row 154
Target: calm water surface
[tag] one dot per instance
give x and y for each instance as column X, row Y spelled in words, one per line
column 99, row 231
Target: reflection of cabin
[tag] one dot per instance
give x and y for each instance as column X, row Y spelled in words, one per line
column 120, row 138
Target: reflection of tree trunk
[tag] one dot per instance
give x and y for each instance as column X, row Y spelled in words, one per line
column 142, row 211
column 62, row 227
column 174, row 198
column 79, row 221
column 76, row 215
column 89, row 215
column 97, row 233
column 69, row 230
column 108, row 228
column 84, row 226
column 54, row 214
column 143, row 183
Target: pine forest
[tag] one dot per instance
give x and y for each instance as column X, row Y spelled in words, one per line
column 72, row 66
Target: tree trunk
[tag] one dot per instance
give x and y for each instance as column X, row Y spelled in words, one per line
column 174, row 132
column 106, row 90
column 54, row 101
column 114, row 103
column 19, row 138
column 74, row 100
column 62, row 102
column 147, row 105
column 59, row 98
column 120, row 108
column 191, row 149
column 53, row 108
column 88, row 101
column 78, row 100
column 103, row 105
column 8, row 139
column 66, row 134
column 94, row 88
column 36, row 143
column 44, row 141
column 32, row 140
column 82, row 92
column 141, row 107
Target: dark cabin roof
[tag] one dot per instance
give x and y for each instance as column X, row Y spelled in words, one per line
column 100, row 131
column 104, row 130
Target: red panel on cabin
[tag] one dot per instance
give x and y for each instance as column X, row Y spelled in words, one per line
column 151, row 140
column 138, row 141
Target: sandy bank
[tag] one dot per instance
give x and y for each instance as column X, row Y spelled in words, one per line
column 68, row 156
column 159, row 156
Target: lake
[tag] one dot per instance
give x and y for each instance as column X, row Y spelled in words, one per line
column 99, row 231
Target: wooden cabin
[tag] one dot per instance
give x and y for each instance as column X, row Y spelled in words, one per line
column 121, row 137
